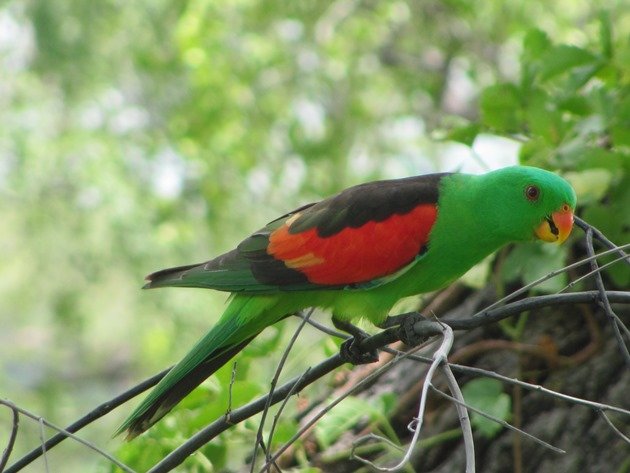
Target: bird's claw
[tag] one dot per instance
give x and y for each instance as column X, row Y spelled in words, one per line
column 351, row 352
column 406, row 331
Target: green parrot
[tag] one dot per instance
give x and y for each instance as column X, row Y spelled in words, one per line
column 356, row 254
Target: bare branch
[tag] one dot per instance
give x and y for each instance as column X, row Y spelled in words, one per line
column 340, row 398
column 603, row 299
column 553, row 274
column 273, row 384
column 90, row 417
column 485, row 317
column 494, row 314
column 14, row 430
column 603, row 415
column 464, row 418
column 198, row 440
column 323, row 328
column 602, row 238
column 440, row 356
column 591, row 273
column 43, row 422
column 503, row 423
column 41, row 439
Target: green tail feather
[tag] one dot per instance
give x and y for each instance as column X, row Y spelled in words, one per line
column 244, row 318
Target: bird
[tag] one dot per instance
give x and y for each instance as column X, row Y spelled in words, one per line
column 355, row 254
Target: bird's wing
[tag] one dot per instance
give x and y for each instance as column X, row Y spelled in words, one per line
column 351, row 240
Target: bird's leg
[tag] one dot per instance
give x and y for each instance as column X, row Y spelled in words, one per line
column 350, row 351
column 405, row 323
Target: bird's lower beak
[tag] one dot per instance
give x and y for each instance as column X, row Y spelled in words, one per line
column 557, row 227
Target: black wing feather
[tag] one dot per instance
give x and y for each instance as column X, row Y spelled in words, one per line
column 250, row 268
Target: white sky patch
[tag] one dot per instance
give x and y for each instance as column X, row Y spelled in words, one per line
column 293, row 175
column 289, row 30
column 17, row 44
column 307, row 60
column 169, row 173
column 311, row 117
column 360, row 162
column 259, row 182
column 406, row 129
column 460, row 89
column 488, row 152
column 129, row 118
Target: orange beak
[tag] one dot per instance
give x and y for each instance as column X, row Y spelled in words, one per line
column 557, row 227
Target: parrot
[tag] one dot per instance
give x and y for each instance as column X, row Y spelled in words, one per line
column 355, row 254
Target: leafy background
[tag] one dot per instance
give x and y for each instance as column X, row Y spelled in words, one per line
column 140, row 135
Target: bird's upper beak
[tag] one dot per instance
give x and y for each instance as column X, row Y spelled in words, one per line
column 557, row 226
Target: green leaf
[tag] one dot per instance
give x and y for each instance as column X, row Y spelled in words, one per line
column 613, row 219
column 464, row 134
column 536, row 42
column 500, row 106
column 563, row 58
column 591, row 184
column 605, row 34
column 535, row 152
column 575, row 104
column 487, row 395
column 284, row 431
column 531, row 261
column 579, row 76
column 543, row 118
column 620, row 128
column 341, row 418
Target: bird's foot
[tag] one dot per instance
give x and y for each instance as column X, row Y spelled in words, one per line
column 405, row 324
column 351, row 352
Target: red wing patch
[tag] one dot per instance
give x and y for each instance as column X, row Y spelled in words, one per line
column 355, row 255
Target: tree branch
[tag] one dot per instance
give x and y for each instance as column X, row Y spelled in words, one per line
column 43, row 422
column 422, row 328
column 484, row 317
column 14, row 430
column 90, row 417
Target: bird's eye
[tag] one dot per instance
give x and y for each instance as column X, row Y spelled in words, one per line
column 532, row 193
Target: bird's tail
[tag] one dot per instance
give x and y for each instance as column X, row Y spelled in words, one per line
column 244, row 318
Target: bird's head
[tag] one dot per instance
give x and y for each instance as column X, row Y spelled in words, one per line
column 533, row 202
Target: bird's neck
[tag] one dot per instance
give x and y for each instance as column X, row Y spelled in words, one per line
column 463, row 235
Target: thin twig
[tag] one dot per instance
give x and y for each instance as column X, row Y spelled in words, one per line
column 591, row 273
column 553, row 274
column 373, row 437
column 440, row 356
column 323, row 328
column 470, row 370
column 40, row 421
column 43, row 422
column 375, row 374
column 602, row 238
column 501, row 422
column 276, row 417
column 230, row 387
column 603, row 300
column 621, row 435
column 273, row 384
column 90, row 417
column 327, row 409
column 14, row 430
column 494, row 314
column 381, row 339
column 464, row 418
column 177, row 456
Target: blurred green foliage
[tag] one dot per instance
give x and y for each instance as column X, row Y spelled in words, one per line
column 145, row 134
column 487, row 395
